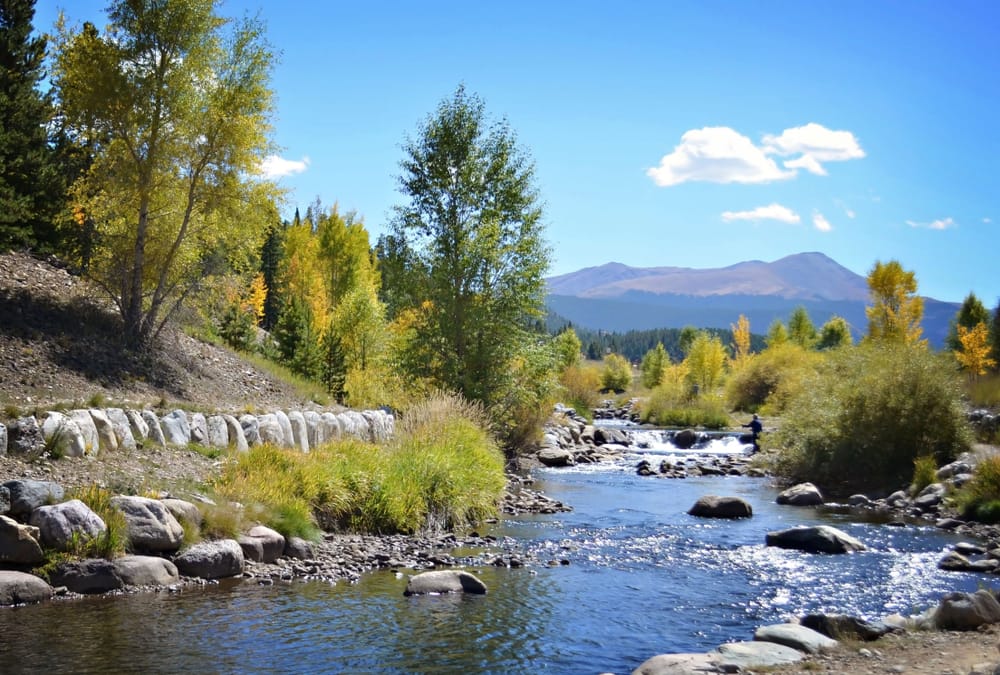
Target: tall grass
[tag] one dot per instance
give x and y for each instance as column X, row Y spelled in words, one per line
column 442, row 471
column 979, row 499
column 113, row 542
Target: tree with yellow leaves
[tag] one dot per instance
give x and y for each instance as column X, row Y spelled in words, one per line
column 741, row 339
column 975, row 352
column 896, row 309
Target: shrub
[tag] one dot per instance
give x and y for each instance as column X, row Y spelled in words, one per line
column 924, row 473
column 867, row 413
column 581, row 386
column 664, row 408
column 617, row 373
column 770, row 378
column 979, row 498
column 114, row 540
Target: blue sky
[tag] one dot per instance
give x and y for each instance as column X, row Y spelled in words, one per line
column 694, row 134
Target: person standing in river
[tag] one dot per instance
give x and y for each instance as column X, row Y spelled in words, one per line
column 756, row 426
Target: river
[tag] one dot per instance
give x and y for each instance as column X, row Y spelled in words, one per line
column 631, row 576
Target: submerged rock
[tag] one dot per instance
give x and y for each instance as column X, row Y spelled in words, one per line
column 444, row 581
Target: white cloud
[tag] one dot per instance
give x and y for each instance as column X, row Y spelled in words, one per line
column 814, row 144
column 987, row 220
column 770, row 212
column 278, row 167
column 939, row 224
column 820, row 222
column 716, row 155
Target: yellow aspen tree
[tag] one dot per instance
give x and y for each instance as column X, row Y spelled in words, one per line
column 741, row 338
column 896, row 309
column 975, row 352
column 256, row 297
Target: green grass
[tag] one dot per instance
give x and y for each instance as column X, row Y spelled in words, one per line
column 924, row 473
column 979, row 499
column 114, row 541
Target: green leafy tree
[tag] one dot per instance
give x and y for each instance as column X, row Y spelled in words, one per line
column 471, row 228
column 345, row 253
column 969, row 315
column 617, row 373
column 706, row 362
column 801, row 330
column 777, row 334
column 177, row 107
column 359, row 322
column 687, row 337
column 834, row 333
column 567, row 347
column 31, row 186
column 896, row 309
column 653, row 365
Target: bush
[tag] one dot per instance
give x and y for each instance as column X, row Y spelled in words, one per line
column 979, row 498
column 924, row 473
column 114, row 540
column 769, row 379
column 860, row 422
column 581, row 385
column 663, row 408
column 617, row 373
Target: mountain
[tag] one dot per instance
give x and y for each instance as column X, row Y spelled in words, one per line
column 617, row 297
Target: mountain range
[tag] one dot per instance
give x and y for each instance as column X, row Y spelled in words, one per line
column 617, row 297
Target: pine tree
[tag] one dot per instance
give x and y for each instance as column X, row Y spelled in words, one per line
column 271, row 256
column 334, row 365
column 31, row 188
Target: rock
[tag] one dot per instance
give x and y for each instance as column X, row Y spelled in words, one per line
column 19, row 544
column 199, row 428
column 287, row 434
column 381, row 424
column 331, row 426
column 300, row 432
column 315, row 432
column 676, row 664
column 859, row 500
column 211, row 559
column 26, row 437
column 122, row 428
column 144, row 570
column 897, row 499
column 94, row 575
column 151, row 526
column 815, row 539
column 803, row 494
column 262, row 544
column 4, row 500
column 237, row 439
column 685, row 439
column 63, row 436
column 250, row 427
column 712, row 506
column 844, row 627
column 3, row 440
column 930, row 497
column 26, row 495
column 603, row 435
column 296, row 547
column 269, row 430
column 750, row 655
column 138, row 425
column 183, row 511
column 17, row 588
column 87, row 427
column 554, row 456
column 156, row 435
column 176, row 430
column 107, row 441
column 797, row 637
column 353, row 424
column 217, row 432
column 60, row 525
column 966, row 611
column 444, row 581
column 954, row 469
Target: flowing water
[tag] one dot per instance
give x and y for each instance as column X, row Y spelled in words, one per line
column 631, row 576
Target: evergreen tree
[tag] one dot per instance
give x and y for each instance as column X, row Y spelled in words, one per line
column 334, row 365
column 271, row 257
column 969, row 315
column 298, row 346
column 31, row 187
column 834, row 333
column 801, row 330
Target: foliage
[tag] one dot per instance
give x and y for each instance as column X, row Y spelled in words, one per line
column 896, row 309
column 271, row 271
column 869, row 411
column 834, row 333
column 31, row 187
column 995, row 332
column 360, row 326
column 979, row 498
column 970, row 314
column 634, row 344
column 298, row 345
column 686, row 339
column 801, row 330
column 581, row 386
column 237, row 327
column 984, row 391
column 114, row 540
column 470, row 233
column 441, row 471
column 567, row 347
column 653, row 364
column 617, row 373
column 924, row 473
column 777, row 334
column 178, row 112
column 706, row 362
column 741, row 339
column 334, row 366
column 770, row 378
column 665, row 408
column 974, row 354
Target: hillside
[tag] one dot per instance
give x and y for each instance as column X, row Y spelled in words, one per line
column 58, row 345
column 619, row 298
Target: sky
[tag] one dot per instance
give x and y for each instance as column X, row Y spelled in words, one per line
column 692, row 134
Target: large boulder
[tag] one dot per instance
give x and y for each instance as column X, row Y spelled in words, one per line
column 3, row 439
column 176, row 428
column 87, row 427
column 605, row 435
column 262, row 544
column 122, row 428
column 296, row 547
column 63, row 436
column 17, row 588
column 300, row 431
column 287, row 434
column 218, row 431
column 677, row 664
column 19, row 544
column 144, row 570
column 381, row 424
column 712, row 506
column 314, row 428
column 199, row 428
column 354, row 424
column 270, row 431
column 803, row 494
column 797, row 637
column 183, row 511
column 966, row 611
column 444, row 581
column 63, row 524
column 815, row 539
column 752, row 655
column 211, row 559
column 4, row 500
column 26, row 495
column 555, row 456
column 107, row 441
column 151, row 526
column 237, row 439
column 685, row 439
column 331, row 426
column 94, row 575
column 156, row 435
column 250, row 427
column 845, row 627
column 26, row 437
column 138, row 424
